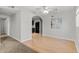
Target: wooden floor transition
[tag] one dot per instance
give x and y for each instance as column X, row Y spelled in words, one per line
column 45, row 44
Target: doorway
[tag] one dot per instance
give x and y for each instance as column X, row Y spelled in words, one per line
column 37, row 25
column 4, row 27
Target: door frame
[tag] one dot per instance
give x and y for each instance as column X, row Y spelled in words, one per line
column 39, row 19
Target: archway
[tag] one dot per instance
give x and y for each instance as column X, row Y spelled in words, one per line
column 37, row 24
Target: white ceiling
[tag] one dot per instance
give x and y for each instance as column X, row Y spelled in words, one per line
column 7, row 11
column 60, row 8
column 38, row 9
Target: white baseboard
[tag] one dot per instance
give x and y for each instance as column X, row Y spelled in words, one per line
column 26, row 40
column 60, row 37
column 65, row 38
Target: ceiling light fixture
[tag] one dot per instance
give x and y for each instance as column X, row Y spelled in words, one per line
column 45, row 10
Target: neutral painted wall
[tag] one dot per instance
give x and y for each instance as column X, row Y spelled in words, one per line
column 77, row 38
column 67, row 28
column 0, row 25
column 21, row 24
column 15, row 28
column 26, row 24
column 7, row 26
column 77, row 30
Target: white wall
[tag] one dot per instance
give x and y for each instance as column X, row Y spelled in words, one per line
column 67, row 28
column 77, row 30
column 26, row 24
column 21, row 24
column 7, row 25
column 15, row 28
column 0, row 25
column 77, row 38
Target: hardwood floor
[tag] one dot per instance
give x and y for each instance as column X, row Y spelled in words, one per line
column 10, row 45
column 45, row 44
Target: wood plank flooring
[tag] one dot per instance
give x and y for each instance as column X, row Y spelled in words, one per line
column 10, row 45
column 45, row 44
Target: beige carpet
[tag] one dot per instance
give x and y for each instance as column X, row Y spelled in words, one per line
column 10, row 45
